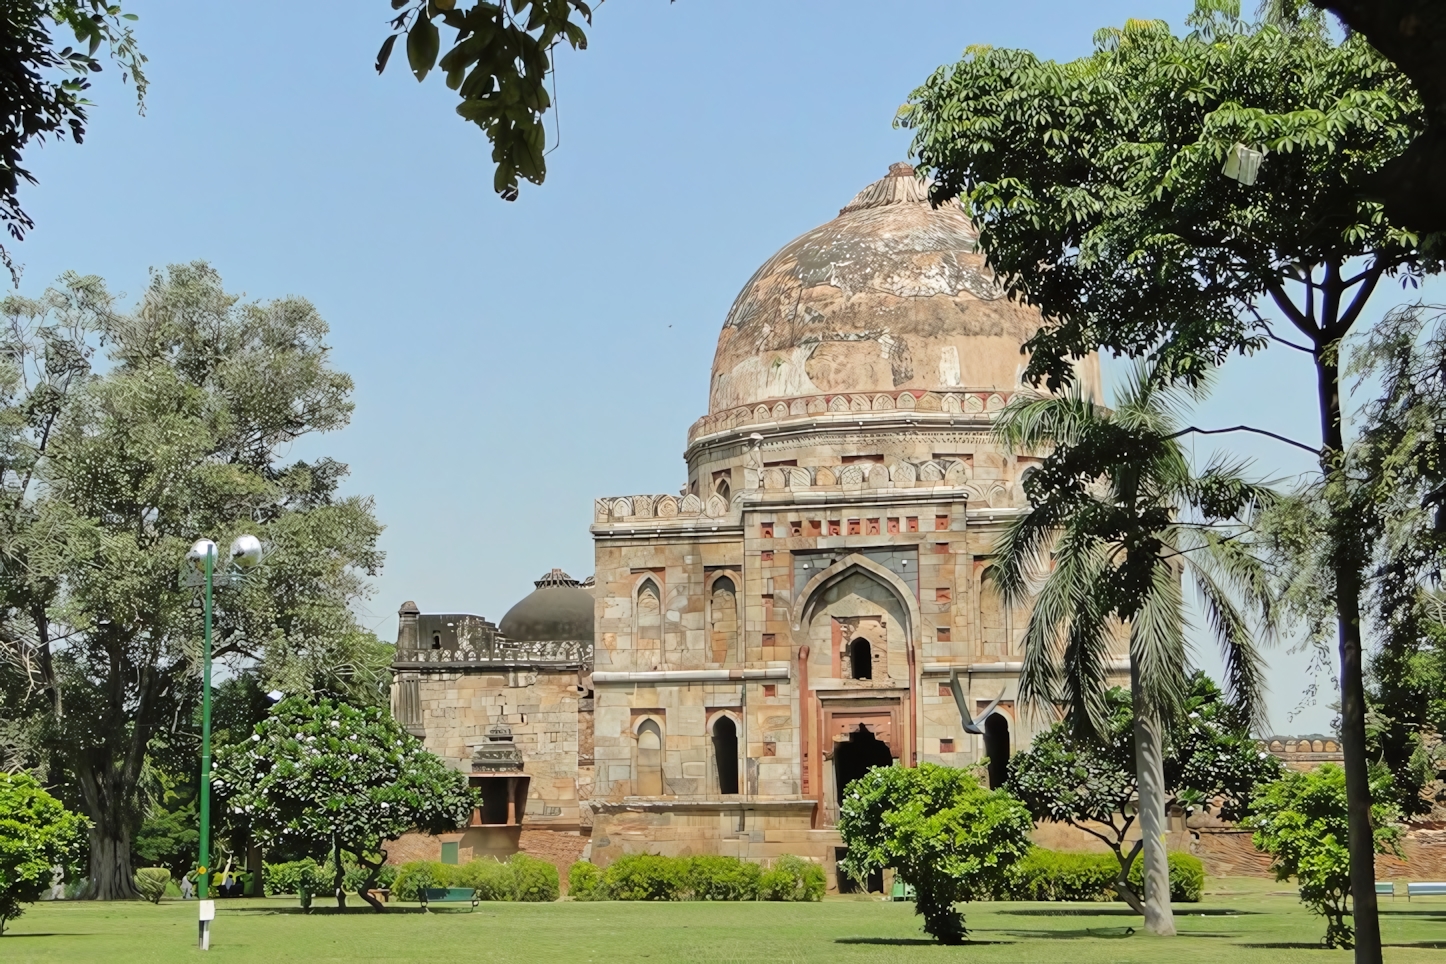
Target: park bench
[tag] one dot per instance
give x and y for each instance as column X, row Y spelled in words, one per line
column 1386, row 887
column 449, row 895
column 1424, row 888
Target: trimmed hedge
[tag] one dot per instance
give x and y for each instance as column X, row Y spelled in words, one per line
column 151, row 882
column 654, row 877
column 1053, row 875
column 793, row 878
column 521, row 878
column 296, row 877
column 1187, row 878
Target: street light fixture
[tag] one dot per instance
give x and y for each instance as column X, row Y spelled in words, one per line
column 200, row 573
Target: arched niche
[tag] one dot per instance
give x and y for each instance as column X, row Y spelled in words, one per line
column 648, row 759
column 857, row 599
column 723, row 618
column 647, row 623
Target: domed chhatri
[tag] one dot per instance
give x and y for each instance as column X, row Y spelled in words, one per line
column 892, row 294
column 559, row 609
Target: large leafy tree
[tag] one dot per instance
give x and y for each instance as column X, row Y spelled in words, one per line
column 47, row 54
column 942, row 833
column 108, row 478
column 330, row 779
column 1117, row 515
column 1098, row 189
column 500, row 58
column 1211, row 764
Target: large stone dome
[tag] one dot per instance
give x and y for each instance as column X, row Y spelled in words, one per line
column 890, row 295
column 559, row 609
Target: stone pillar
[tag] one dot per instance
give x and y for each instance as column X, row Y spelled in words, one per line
column 407, row 626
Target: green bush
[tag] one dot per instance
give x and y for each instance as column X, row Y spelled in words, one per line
column 792, row 878
column 654, row 877
column 646, row 877
column 151, row 882
column 721, row 878
column 584, row 881
column 1052, row 875
column 417, row 876
column 522, row 878
column 533, row 880
column 296, row 877
column 491, row 879
column 1187, row 878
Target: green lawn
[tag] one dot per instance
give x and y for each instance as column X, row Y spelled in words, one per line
column 1240, row 920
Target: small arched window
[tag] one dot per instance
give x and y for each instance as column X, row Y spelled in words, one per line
column 861, row 659
column 436, row 640
column 723, row 489
column 725, row 754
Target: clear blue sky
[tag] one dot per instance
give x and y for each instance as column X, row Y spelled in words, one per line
column 514, row 361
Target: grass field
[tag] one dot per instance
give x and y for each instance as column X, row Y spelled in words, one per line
column 1239, row 920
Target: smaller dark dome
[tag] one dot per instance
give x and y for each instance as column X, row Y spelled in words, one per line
column 558, row 609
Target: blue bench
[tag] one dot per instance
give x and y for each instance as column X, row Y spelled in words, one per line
column 1425, row 889
column 1386, row 887
column 449, row 895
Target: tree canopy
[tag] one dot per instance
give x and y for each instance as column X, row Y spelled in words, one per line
column 942, row 833
column 328, row 779
column 108, row 477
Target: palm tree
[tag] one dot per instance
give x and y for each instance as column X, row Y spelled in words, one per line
column 1118, row 519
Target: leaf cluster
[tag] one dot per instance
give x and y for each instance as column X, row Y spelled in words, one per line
column 498, row 64
column 43, row 81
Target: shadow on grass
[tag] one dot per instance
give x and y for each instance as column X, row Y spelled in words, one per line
column 330, row 911
column 1123, row 912
column 1435, row 945
column 1106, row 933
column 910, row 941
column 6, row 937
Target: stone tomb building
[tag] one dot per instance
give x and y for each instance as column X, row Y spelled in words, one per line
column 789, row 618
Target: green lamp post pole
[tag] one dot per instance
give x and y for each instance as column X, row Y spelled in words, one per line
column 203, row 878
column 245, row 553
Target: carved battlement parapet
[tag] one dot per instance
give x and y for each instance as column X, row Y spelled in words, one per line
column 963, row 402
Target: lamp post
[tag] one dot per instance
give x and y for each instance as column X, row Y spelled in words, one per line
column 245, row 554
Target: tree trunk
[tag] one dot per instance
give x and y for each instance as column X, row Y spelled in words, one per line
column 1150, row 775
column 108, row 795
column 1346, row 565
column 1122, row 883
column 339, row 877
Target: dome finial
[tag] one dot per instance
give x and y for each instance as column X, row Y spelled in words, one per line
column 899, row 186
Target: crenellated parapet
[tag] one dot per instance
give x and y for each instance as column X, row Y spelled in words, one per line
column 846, row 405
column 768, row 484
